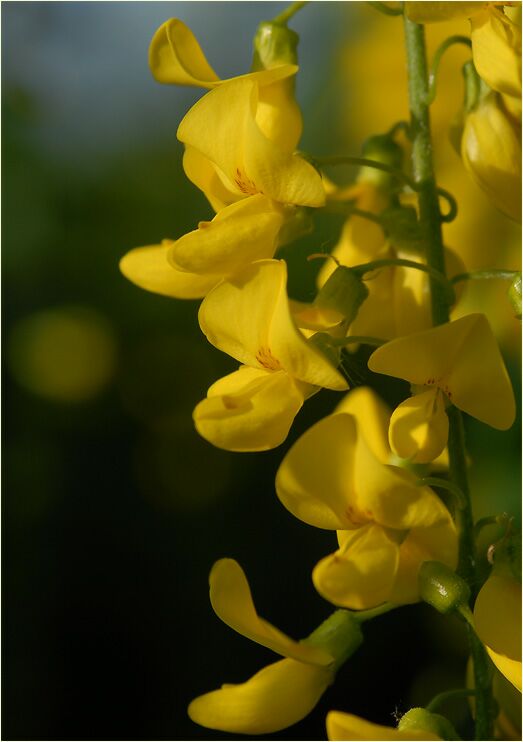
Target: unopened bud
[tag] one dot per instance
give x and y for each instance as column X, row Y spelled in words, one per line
column 344, row 292
column 274, row 45
column 403, row 228
column 381, row 148
column 421, row 719
column 442, row 588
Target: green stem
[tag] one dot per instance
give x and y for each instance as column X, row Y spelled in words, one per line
column 486, row 274
column 287, row 14
column 442, row 48
column 449, row 695
column 402, row 262
column 430, row 219
column 364, row 162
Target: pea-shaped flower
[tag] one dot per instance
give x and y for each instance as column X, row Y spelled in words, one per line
column 459, row 363
column 189, row 267
column 496, row 49
column 278, row 695
column 338, row 476
column 249, row 318
column 497, row 620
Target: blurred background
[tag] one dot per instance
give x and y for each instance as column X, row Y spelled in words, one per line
column 113, row 508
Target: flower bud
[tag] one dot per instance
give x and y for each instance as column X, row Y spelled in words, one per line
column 344, row 292
column 441, row 588
column 274, row 45
column 384, row 149
column 514, row 295
column 420, row 718
column 402, row 228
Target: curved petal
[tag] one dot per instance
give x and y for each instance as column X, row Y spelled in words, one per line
column 496, row 50
column 275, row 698
column 149, row 269
column 341, row 726
column 249, row 318
column 203, row 173
column 239, row 234
column 372, row 418
column 315, row 479
column 278, row 114
column 389, row 495
column 491, row 152
column 436, row 543
column 419, row 427
column 175, row 56
column 231, row 600
column 249, row 410
column 361, row 573
column 497, row 619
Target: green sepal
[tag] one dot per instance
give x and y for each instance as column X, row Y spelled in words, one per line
column 274, row 45
column 344, row 291
column 514, row 295
column 322, row 342
column 340, row 635
column 420, row 718
column 402, row 227
column 442, row 588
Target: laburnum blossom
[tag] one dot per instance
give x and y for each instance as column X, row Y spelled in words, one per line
column 249, row 317
column 497, row 620
column 491, row 152
column 278, row 695
column 458, row 362
column 338, row 476
column 189, row 267
column 496, row 49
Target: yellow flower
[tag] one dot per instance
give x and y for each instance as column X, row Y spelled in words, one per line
column 175, row 57
column 491, row 152
column 457, row 362
column 222, row 127
column 189, row 267
column 341, row 726
column 497, row 620
column 336, row 476
column 249, row 318
column 496, row 50
column 278, row 695
column 433, row 12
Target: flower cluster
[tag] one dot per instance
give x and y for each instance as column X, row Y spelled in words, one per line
column 375, row 476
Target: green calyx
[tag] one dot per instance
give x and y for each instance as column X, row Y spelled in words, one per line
column 421, row 719
column 343, row 292
column 340, row 635
column 381, row 148
column 274, row 45
column 514, row 295
column 442, row 588
column 475, row 88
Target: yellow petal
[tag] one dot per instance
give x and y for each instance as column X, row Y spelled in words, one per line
column 231, row 600
column 433, row 12
column 497, row 619
column 419, row 427
column 239, row 234
column 491, row 152
column 275, row 698
column 149, row 268
column 249, row 410
column 249, row 161
column 436, row 543
column 278, row 115
column 361, row 573
column 203, row 173
column 372, row 418
column 389, row 495
column 496, row 50
column 315, row 479
column 175, row 56
column 461, row 358
column 249, row 318
column 341, row 726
